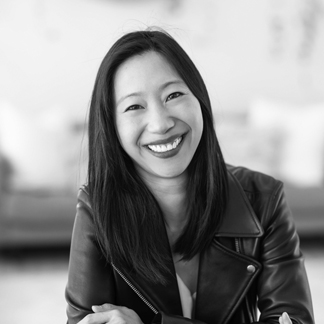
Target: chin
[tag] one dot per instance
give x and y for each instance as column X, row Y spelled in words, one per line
column 170, row 174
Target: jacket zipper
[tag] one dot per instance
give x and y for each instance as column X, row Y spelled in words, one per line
column 136, row 291
column 237, row 247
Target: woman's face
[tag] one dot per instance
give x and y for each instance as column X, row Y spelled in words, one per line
column 158, row 120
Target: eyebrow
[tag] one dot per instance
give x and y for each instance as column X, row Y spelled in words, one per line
column 166, row 84
column 163, row 86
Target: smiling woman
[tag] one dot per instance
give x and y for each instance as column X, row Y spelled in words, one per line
column 165, row 231
column 157, row 117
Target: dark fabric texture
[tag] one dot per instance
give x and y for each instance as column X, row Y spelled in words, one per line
column 253, row 262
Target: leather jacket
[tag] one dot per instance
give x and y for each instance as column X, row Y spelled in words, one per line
column 253, row 262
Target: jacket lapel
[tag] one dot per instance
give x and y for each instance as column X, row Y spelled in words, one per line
column 223, row 282
column 239, row 219
column 224, row 278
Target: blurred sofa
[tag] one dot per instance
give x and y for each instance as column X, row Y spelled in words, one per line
column 36, row 219
column 41, row 168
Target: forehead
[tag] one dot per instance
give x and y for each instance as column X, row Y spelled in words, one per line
column 142, row 71
column 146, row 59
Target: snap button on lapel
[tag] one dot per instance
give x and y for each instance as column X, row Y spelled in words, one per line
column 251, row 268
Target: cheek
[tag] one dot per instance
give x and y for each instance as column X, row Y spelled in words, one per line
column 121, row 131
column 198, row 120
column 127, row 133
column 197, row 125
column 195, row 119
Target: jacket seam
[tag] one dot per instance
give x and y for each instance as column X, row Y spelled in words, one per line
column 272, row 205
column 240, row 256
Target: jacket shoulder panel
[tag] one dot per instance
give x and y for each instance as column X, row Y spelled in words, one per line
column 263, row 192
column 255, row 181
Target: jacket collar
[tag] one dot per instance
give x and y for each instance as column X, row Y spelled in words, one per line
column 239, row 218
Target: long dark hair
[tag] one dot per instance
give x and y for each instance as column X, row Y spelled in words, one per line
column 128, row 220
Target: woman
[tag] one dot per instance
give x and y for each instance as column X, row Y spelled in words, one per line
column 165, row 232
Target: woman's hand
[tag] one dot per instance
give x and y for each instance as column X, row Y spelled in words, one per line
column 112, row 314
column 285, row 319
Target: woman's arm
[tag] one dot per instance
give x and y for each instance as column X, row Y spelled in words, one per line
column 283, row 284
column 90, row 278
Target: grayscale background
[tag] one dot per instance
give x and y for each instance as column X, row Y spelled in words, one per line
column 263, row 65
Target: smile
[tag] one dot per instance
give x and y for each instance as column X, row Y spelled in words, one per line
column 166, row 147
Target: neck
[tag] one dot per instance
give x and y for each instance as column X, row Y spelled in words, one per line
column 170, row 194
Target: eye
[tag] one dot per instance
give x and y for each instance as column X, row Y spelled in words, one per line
column 133, row 107
column 174, row 95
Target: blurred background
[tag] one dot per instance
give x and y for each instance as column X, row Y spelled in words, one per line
column 263, row 65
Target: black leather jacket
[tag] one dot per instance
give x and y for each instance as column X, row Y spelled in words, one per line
column 254, row 261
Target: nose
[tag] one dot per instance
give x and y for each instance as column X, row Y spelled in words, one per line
column 159, row 120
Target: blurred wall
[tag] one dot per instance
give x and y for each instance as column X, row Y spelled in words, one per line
column 50, row 51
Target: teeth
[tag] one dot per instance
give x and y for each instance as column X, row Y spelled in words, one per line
column 165, row 147
column 169, row 147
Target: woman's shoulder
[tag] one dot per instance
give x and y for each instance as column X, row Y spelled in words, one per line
column 254, row 181
column 265, row 194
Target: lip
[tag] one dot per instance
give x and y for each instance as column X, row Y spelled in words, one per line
column 168, row 154
column 168, row 140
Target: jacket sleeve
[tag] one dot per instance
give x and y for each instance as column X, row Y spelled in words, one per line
column 90, row 278
column 283, row 284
